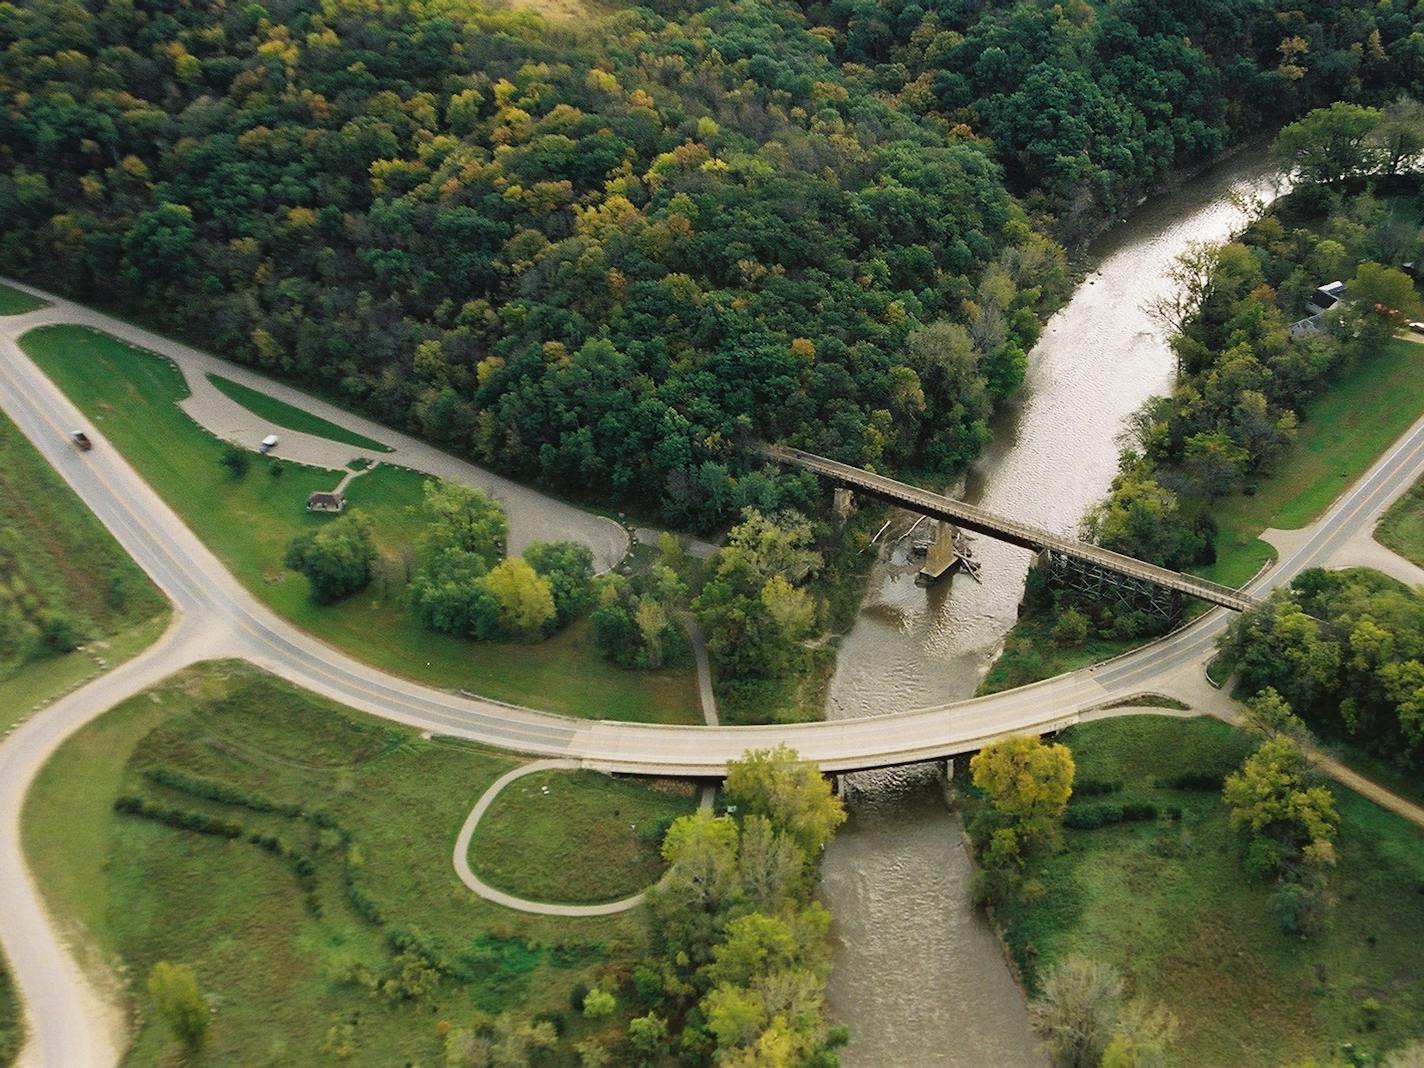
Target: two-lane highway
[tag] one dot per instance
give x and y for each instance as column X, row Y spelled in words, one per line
column 216, row 616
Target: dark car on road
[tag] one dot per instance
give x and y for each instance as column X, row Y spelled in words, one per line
column 81, row 441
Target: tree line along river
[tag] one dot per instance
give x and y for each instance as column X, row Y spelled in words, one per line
column 919, row 977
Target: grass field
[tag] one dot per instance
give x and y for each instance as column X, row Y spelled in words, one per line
column 17, row 302
column 577, row 837
column 1167, row 903
column 57, row 560
column 130, row 395
column 1344, row 430
column 1402, row 527
column 284, row 965
column 285, row 415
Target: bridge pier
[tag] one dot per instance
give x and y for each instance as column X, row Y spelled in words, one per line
column 942, row 556
column 1112, row 588
column 842, row 505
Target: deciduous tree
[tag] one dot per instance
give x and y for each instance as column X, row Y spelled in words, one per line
column 1026, row 780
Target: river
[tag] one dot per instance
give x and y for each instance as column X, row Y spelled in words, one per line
column 919, row 978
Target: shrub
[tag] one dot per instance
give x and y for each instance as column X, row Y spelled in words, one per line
column 1090, row 817
column 598, row 1004
column 183, row 819
column 1077, row 1012
column 1096, row 787
column 1194, row 780
column 1264, row 859
column 174, row 990
column 236, row 460
column 577, row 996
column 59, row 630
column 213, row 790
column 1071, row 629
column 1298, row 909
column 336, row 559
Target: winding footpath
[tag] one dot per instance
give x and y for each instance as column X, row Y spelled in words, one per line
column 465, row 871
column 215, row 617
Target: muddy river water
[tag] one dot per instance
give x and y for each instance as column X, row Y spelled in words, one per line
column 919, row 978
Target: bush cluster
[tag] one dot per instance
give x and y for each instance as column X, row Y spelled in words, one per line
column 1090, row 817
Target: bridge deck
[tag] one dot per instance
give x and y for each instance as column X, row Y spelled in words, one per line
column 997, row 526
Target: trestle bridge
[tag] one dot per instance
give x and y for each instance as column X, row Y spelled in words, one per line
column 1077, row 564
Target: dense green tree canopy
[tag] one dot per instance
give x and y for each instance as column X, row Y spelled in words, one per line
column 598, row 259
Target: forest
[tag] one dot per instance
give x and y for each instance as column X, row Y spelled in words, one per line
column 600, row 256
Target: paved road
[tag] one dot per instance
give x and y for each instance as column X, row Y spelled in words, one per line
column 533, row 516
column 215, row 616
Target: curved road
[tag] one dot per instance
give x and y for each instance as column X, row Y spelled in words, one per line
column 215, row 616
column 532, row 515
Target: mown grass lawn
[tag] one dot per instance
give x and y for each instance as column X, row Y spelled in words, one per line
column 1167, row 903
column 131, row 397
column 1343, row 432
column 1402, row 527
column 17, row 302
column 577, row 837
column 279, row 974
column 285, row 415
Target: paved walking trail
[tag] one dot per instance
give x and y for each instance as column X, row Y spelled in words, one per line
column 216, row 617
column 549, row 908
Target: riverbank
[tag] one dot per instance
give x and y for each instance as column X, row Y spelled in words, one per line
column 1053, row 453
column 1166, row 901
column 1345, row 430
column 1205, row 481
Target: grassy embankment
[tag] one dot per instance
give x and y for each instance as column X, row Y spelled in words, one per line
column 11, row 1027
column 1344, row 431
column 55, row 557
column 1402, row 527
column 281, row 964
column 132, row 395
column 284, row 415
column 1168, row 904
column 578, row 836
column 17, row 302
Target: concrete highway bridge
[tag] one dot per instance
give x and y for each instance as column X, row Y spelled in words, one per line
column 215, row 616
column 1077, row 555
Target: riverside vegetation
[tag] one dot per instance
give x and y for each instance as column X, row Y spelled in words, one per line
column 1161, row 894
column 484, row 226
column 603, row 254
column 1268, row 421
